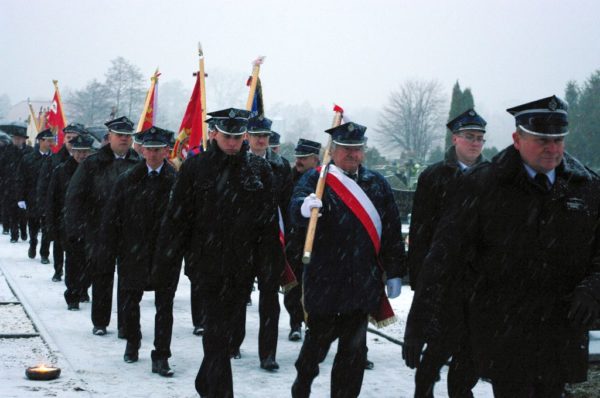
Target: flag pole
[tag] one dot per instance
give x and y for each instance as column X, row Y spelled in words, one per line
column 202, row 95
column 314, row 213
column 253, row 81
column 62, row 111
column 36, row 122
column 153, row 81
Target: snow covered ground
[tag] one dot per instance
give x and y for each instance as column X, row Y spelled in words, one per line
column 93, row 366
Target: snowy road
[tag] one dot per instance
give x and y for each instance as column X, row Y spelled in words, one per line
column 93, row 366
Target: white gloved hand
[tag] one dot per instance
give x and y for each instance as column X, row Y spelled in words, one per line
column 21, row 204
column 394, row 287
column 310, row 202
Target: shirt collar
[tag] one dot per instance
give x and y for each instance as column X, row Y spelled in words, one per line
column 531, row 172
column 150, row 169
column 463, row 167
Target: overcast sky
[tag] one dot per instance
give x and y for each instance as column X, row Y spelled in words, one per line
column 321, row 51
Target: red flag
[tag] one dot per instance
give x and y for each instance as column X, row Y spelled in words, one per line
column 56, row 120
column 192, row 119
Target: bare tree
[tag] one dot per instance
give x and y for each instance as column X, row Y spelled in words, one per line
column 90, row 105
column 224, row 89
column 125, row 83
column 413, row 118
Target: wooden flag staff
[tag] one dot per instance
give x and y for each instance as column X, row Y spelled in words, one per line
column 314, row 213
column 202, row 95
column 253, row 81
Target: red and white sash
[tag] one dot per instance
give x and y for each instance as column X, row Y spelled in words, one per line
column 358, row 202
column 363, row 208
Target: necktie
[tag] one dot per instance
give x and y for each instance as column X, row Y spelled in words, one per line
column 542, row 181
column 153, row 174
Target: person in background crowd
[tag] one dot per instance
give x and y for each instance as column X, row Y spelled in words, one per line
column 522, row 231
column 85, row 203
column 77, row 278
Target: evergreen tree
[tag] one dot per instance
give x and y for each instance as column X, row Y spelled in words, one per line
column 90, row 105
column 436, row 155
column 373, row 157
column 585, row 137
column 573, row 144
column 461, row 101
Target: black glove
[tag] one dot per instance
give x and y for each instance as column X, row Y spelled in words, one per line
column 411, row 352
column 584, row 309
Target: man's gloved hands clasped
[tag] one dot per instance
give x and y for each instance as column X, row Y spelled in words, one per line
column 21, row 204
column 394, row 287
column 585, row 309
column 310, row 202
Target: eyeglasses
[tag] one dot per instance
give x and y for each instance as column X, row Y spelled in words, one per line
column 473, row 138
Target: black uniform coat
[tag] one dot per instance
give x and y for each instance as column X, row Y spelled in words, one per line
column 282, row 179
column 46, row 169
column 222, row 216
column 55, row 200
column 343, row 275
column 528, row 251
column 434, row 189
column 131, row 223
column 27, row 179
column 87, row 195
column 10, row 173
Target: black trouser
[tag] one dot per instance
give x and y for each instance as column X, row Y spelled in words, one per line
column 102, row 292
column 268, row 330
column 18, row 222
column 35, row 224
column 163, row 320
column 198, row 311
column 349, row 363
column 539, row 389
column 77, row 277
column 293, row 302
column 223, row 309
column 58, row 255
column 5, row 215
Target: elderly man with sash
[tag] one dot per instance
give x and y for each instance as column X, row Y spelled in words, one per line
column 357, row 245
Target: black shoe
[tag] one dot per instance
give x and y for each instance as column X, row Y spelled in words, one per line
column 300, row 389
column 121, row 333
column 85, row 298
column 249, row 302
column 235, row 354
column 57, row 277
column 5, row 232
column 295, row 333
column 45, row 260
column 198, row 331
column 269, row 363
column 131, row 352
column 73, row 306
column 369, row 365
column 13, row 240
column 23, row 236
column 161, row 366
column 31, row 251
column 99, row 331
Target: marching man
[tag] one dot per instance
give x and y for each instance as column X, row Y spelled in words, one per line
column 356, row 246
